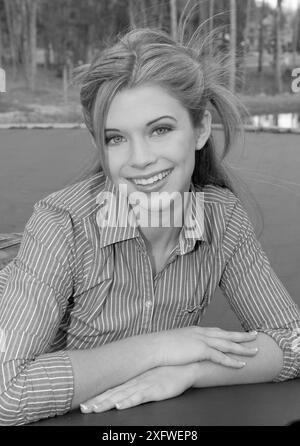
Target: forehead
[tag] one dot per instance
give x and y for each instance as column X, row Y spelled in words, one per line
column 141, row 105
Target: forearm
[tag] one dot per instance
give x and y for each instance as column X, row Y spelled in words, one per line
column 55, row 382
column 263, row 367
column 99, row 369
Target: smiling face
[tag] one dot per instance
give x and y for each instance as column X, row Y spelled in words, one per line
column 151, row 141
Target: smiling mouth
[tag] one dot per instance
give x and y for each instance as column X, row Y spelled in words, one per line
column 151, row 180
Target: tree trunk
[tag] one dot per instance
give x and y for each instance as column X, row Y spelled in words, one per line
column 131, row 14
column 211, row 22
column 232, row 45
column 173, row 18
column 32, row 11
column 245, row 37
column 296, row 33
column 2, row 72
column 143, row 13
column 1, row 46
column 277, row 50
column 9, row 6
column 161, row 14
column 203, row 13
column 247, row 24
column 65, row 82
column 261, row 39
column 25, row 43
column 29, row 18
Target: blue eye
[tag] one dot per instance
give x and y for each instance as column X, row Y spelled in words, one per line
column 114, row 140
column 162, row 130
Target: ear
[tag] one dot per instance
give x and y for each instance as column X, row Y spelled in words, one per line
column 203, row 130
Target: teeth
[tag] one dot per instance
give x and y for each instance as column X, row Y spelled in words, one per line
column 152, row 180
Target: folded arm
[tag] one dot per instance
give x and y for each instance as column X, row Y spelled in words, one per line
column 258, row 297
column 263, row 367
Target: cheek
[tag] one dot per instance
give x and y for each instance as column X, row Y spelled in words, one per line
column 183, row 152
column 114, row 162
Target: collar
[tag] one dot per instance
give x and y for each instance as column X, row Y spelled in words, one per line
column 117, row 223
column 193, row 228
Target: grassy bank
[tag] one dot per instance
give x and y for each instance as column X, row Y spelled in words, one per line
column 48, row 103
column 263, row 104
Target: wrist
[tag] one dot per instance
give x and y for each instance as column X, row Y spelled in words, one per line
column 195, row 370
column 153, row 349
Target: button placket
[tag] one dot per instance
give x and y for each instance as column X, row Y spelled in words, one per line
column 148, row 297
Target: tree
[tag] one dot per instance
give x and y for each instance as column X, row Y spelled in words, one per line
column 277, row 48
column 137, row 13
column 1, row 44
column 211, row 22
column 261, row 38
column 296, row 33
column 246, row 37
column 131, row 13
column 12, row 15
column 173, row 18
column 203, row 12
column 211, row 14
column 31, row 17
column 232, row 45
column 21, row 18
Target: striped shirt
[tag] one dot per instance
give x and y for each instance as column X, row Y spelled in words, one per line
column 77, row 285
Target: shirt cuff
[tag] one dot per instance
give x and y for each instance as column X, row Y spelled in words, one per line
column 50, row 387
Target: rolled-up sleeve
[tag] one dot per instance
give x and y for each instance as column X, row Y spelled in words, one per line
column 34, row 292
column 256, row 294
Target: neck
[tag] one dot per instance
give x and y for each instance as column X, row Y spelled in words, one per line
column 160, row 239
column 161, row 229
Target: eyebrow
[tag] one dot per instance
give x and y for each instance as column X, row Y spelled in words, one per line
column 148, row 123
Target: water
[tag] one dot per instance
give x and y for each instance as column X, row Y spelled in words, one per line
column 282, row 120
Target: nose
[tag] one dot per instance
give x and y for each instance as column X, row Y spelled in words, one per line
column 141, row 154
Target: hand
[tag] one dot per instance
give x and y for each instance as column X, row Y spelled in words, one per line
column 193, row 344
column 157, row 384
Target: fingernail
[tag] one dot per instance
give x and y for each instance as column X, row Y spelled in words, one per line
column 242, row 364
column 253, row 332
column 96, row 408
column 118, row 406
column 85, row 408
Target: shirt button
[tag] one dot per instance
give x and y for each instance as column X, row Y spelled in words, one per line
column 148, row 303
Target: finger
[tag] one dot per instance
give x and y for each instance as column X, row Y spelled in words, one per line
column 231, row 347
column 220, row 358
column 88, row 404
column 108, row 394
column 108, row 400
column 103, row 406
column 116, row 398
column 133, row 400
column 235, row 336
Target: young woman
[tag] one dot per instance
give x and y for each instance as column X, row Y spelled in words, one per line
column 102, row 314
